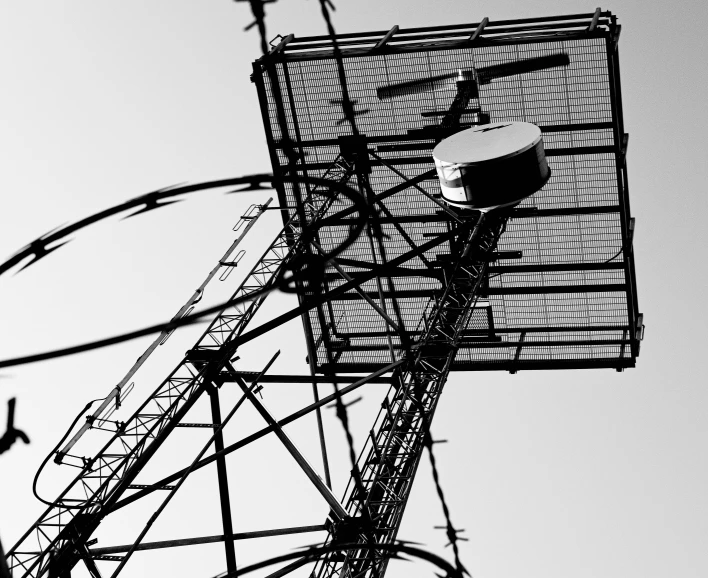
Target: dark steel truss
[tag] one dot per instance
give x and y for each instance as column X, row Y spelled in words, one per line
column 57, row 540
column 566, row 267
column 426, row 290
column 395, row 444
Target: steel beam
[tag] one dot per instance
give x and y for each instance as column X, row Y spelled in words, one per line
column 445, row 208
column 224, row 497
column 506, row 330
column 344, row 275
column 391, row 456
column 387, row 140
column 426, row 160
column 257, row 435
column 522, row 343
column 313, row 476
column 462, row 29
column 389, row 271
column 251, row 375
column 528, row 290
column 506, row 365
column 205, row 540
column 355, row 45
column 557, row 267
column 312, row 302
column 119, row 392
column 524, row 213
column 546, row 268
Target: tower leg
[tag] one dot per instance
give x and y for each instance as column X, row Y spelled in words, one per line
column 223, row 482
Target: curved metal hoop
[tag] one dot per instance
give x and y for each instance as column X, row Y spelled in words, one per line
column 314, row 553
column 309, row 269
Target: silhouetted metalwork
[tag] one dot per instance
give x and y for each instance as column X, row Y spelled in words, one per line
column 561, row 291
column 314, row 553
column 390, row 279
column 556, row 291
column 393, row 450
column 105, row 477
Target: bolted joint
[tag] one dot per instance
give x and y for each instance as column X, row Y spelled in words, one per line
column 349, row 529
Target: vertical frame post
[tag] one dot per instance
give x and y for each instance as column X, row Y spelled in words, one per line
column 224, row 497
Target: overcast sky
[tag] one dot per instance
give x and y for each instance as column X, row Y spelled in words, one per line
column 552, row 474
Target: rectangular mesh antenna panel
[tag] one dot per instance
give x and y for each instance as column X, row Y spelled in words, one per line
column 562, row 293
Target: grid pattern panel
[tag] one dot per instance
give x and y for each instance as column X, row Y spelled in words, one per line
column 566, row 295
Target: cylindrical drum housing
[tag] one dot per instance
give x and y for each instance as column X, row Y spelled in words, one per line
column 493, row 165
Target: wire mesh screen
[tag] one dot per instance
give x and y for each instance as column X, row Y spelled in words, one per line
column 561, row 293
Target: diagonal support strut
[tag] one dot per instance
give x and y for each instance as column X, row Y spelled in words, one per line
column 330, row 498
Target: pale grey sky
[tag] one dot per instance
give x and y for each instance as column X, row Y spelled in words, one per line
column 552, row 474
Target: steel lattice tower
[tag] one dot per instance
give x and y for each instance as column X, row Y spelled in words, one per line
column 426, row 289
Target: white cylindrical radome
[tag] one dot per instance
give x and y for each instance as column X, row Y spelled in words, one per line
column 493, row 165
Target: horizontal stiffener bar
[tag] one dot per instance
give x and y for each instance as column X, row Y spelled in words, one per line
column 205, row 540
